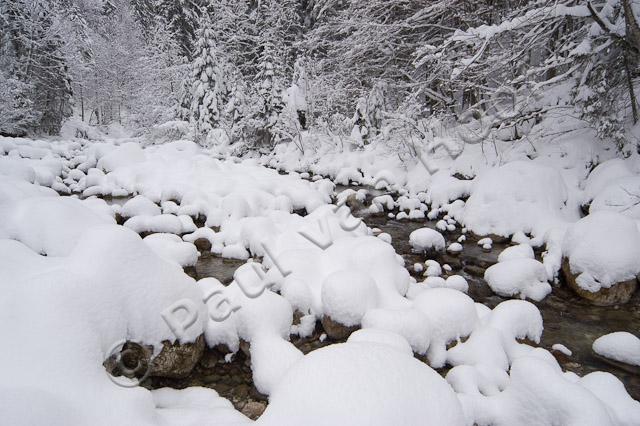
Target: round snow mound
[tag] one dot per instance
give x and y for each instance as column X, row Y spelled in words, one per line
column 620, row 346
column 426, row 239
column 603, row 249
column 356, row 381
column 347, row 295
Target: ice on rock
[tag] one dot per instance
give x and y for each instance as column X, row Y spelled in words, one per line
column 355, row 381
column 619, row 346
column 525, row 278
column 602, row 249
column 424, row 239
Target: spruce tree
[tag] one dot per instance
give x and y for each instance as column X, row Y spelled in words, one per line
column 209, row 90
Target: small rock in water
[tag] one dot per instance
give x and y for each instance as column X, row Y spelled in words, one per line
column 454, row 248
column 562, row 349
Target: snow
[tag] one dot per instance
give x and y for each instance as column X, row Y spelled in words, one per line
column 562, row 349
column 49, row 225
column 433, row 268
column 604, row 175
column 622, row 196
column 603, row 249
column 100, row 283
column 356, row 381
column 457, row 282
column 165, row 223
column 171, row 248
column 519, row 196
column 75, row 333
column 523, row 277
column 383, row 337
column 451, row 314
column 619, row 346
column 347, row 295
column 521, row 251
column 454, row 248
column 140, row 206
column 426, row 239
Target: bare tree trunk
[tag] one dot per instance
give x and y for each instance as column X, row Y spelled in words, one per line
column 81, row 103
column 632, row 94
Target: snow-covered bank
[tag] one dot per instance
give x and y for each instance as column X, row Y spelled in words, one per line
column 100, row 283
column 531, row 191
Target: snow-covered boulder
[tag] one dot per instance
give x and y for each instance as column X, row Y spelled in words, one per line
column 521, row 251
column 622, row 196
column 520, row 196
column 525, row 278
column 140, row 206
column 427, row 240
column 601, row 257
column 356, row 381
column 605, row 174
column 346, row 296
column 620, row 346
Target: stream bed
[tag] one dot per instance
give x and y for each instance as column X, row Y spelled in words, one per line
column 568, row 319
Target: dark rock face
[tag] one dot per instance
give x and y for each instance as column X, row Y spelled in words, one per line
column 176, row 360
column 617, row 294
column 335, row 330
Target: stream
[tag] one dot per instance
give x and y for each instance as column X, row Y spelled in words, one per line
column 568, row 319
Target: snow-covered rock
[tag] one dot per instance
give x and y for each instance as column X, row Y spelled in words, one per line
column 601, row 257
column 519, row 196
column 427, row 239
column 524, row 277
column 356, row 381
column 620, row 346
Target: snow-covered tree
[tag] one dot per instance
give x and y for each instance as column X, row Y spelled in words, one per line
column 209, row 88
column 35, row 66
